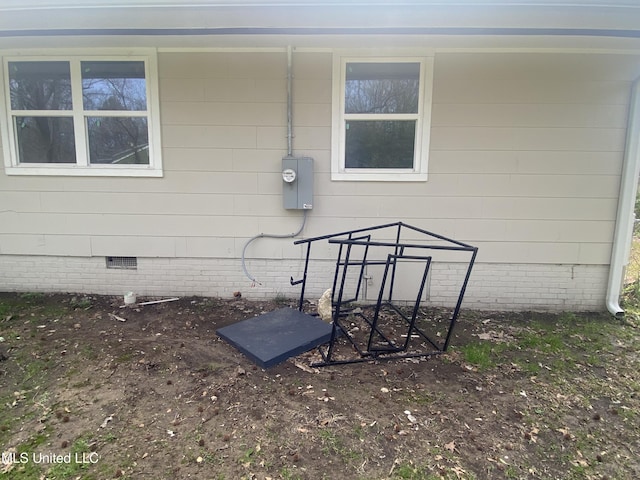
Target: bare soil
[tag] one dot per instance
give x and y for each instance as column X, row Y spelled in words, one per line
column 151, row 392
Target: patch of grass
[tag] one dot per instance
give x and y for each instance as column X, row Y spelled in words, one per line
column 549, row 344
column 83, row 303
column 631, row 295
column 511, row 472
column 288, row 474
column 530, row 367
column 247, row 457
column 89, row 353
column 408, row 471
column 33, row 369
column 53, row 311
column 358, row 430
column 39, row 304
column 210, row 458
column 32, row 297
column 5, row 428
column 332, row 444
column 25, row 471
column 422, row 398
column 545, row 342
column 330, row 441
column 8, row 421
column 4, row 312
column 558, row 346
column 124, row 358
column 26, row 468
column 11, row 306
column 483, row 355
column 568, row 317
column 80, row 461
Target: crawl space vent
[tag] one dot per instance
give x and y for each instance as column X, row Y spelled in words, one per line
column 127, row 263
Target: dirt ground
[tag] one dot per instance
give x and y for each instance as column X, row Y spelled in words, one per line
column 91, row 390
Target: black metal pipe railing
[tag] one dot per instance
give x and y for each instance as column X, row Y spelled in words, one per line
column 378, row 343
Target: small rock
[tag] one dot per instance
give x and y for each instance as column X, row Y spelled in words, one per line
column 410, row 417
column 106, row 421
column 240, row 371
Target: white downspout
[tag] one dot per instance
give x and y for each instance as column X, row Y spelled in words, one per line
column 626, row 202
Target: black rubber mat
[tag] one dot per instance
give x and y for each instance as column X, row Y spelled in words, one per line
column 273, row 337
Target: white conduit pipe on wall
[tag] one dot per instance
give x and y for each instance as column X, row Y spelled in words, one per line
column 268, row 235
column 289, row 153
column 626, row 203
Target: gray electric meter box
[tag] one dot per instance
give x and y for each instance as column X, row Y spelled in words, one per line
column 297, row 183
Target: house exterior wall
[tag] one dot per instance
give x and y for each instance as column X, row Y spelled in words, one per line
column 525, row 160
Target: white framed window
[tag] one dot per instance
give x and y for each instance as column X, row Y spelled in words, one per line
column 381, row 118
column 81, row 115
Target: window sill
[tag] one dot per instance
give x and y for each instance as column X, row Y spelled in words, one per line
column 75, row 171
column 378, row 176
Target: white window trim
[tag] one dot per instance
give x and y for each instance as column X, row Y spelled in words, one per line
column 423, row 125
column 83, row 167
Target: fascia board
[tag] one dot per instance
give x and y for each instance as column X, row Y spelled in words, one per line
column 259, row 17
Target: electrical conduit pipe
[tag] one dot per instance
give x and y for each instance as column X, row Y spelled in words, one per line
column 289, row 153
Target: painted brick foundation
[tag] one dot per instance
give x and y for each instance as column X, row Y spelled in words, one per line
column 492, row 286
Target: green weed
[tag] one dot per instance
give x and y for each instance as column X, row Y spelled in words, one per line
column 247, row 457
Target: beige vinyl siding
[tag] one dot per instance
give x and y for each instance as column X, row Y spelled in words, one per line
column 50, row 244
column 526, row 162
column 535, row 142
column 526, row 153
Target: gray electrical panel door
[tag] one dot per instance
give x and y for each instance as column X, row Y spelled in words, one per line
column 297, row 183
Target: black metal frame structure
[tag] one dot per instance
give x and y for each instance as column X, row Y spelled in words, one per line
column 388, row 253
